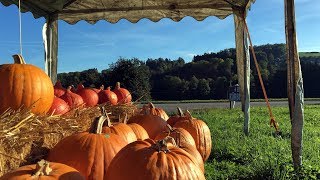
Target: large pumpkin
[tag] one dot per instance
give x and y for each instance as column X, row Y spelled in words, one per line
column 139, row 131
column 25, row 85
column 44, row 170
column 88, row 152
column 151, row 123
column 200, row 132
column 159, row 160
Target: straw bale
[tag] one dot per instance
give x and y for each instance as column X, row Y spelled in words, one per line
column 26, row 138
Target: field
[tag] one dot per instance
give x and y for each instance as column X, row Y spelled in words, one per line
column 309, row 54
column 260, row 155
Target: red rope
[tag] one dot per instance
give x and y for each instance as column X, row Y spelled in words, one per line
column 273, row 122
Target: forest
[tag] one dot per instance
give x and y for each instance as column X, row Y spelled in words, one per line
column 207, row 76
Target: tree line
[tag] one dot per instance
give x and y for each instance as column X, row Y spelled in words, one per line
column 207, row 76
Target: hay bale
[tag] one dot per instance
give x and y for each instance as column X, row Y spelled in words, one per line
column 26, row 138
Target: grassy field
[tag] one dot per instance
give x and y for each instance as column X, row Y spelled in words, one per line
column 309, row 54
column 260, row 155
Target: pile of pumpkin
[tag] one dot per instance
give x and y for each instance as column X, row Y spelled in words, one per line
column 69, row 98
column 148, row 145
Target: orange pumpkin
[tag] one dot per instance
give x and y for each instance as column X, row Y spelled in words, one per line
column 151, row 123
column 58, row 89
column 180, row 135
column 89, row 96
column 107, row 96
column 59, row 107
column 139, row 131
column 200, row 133
column 124, row 96
column 151, row 109
column 44, row 170
column 159, row 160
column 121, row 129
column 74, row 100
column 88, row 152
column 25, row 85
column 173, row 119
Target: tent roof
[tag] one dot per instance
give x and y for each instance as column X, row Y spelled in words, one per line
column 72, row 11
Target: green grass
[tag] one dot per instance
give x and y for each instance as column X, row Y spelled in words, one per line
column 260, row 155
column 309, row 54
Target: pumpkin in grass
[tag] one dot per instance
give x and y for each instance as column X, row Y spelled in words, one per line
column 139, row 131
column 183, row 140
column 181, row 136
column 88, row 152
column 151, row 109
column 151, row 123
column 25, row 85
column 107, row 96
column 44, row 170
column 124, row 96
column 74, row 100
column 150, row 159
column 119, row 128
column 89, row 96
column 200, row 132
column 58, row 89
column 173, row 119
column 59, row 107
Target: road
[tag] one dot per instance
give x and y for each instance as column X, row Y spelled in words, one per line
column 172, row 107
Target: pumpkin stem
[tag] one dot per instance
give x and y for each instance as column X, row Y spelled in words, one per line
column 162, row 145
column 108, row 88
column 102, row 87
column 125, row 119
column 106, row 116
column 18, row 59
column 151, row 105
column 117, row 85
column 188, row 115
column 180, row 112
column 97, row 124
column 42, row 169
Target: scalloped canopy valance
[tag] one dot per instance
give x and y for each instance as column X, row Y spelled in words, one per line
column 72, row 11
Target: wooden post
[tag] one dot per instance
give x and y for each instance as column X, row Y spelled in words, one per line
column 243, row 66
column 295, row 84
column 50, row 38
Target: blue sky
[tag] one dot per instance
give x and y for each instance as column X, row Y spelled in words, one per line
column 83, row 46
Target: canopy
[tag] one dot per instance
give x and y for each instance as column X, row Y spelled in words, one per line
column 72, row 11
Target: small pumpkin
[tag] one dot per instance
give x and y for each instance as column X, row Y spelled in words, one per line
column 151, row 109
column 59, row 107
column 124, row 96
column 58, row 89
column 200, row 132
column 89, row 96
column 151, row 123
column 159, row 160
column 25, row 85
column 44, row 170
column 107, row 96
column 88, row 152
column 74, row 100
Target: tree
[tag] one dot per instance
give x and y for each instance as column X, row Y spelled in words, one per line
column 203, row 89
column 134, row 75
